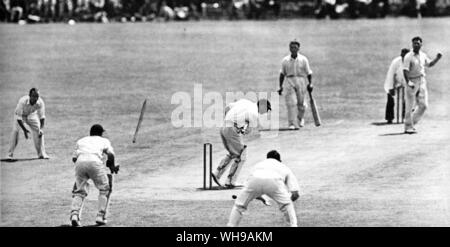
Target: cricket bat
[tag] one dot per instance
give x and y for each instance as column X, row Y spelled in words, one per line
column 141, row 117
column 314, row 110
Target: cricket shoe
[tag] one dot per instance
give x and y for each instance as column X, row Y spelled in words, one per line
column 75, row 220
column 301, row 123
column 411, row 131
column 230, row 186
column 9, row 157
column 44, row 157
column 100, row 219
column 292, row 127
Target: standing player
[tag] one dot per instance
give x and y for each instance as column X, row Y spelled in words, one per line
column 414, row 65
column 30, row 110
column 295, row 71
column 240, row 117
column 394, row 80
column 88, row 158
column 272, row 178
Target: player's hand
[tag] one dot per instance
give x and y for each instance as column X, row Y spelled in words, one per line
column 392, row 92
column 439, row 55
column 25, row 133
column 310, row 88
column 410, row 84
column 280, row 91
column 294, row 196
column 41, row 133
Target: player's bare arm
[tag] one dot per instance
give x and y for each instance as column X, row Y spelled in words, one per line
column 436, row 59
column 25, row 131
column 280, row 91
column 310, row 86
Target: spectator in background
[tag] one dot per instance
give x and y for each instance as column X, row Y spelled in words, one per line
column 65, row 9
column 82, row 11
column 327, row 8
column 48, row 10
column 97, row 8
column 148, row 10
column 4, row 10
column 18, row 7
column 33, row 15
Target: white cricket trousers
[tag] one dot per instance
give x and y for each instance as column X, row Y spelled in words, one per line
column 295, row 88
column 34, row 123
column 416, row 102
column 234, row 144
column 256, row 187
column 90, row 167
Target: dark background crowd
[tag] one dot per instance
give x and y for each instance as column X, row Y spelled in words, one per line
column 43, row 11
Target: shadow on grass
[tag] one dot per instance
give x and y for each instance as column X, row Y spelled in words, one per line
column 69, row 225
column 15, row 160
column 396, row 134
column 237, row 187
column 384, row 123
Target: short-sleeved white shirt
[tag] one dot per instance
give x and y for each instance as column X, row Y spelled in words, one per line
column 242, row 112
column 273, row 169
column 24, row 108
column 94, row 145
column 394, row 76
column 416, row 63
column 298, row 67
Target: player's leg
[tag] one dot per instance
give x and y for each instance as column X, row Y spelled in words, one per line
column 301, row 100
column 79, row 192
column 278, row 192
column 237, row 166
column 14, row 139
column 291, row 103
column 410, row 98
column 98, row 174
column 390, row 105
column 35, row 126
column 422, row 102
column 224, row 135
column 249, row 192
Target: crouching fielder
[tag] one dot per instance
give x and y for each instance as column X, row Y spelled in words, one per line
column 88, row 158
column 273, row 179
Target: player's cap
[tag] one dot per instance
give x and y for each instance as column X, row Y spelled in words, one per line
column 274, row 155
column 97, row 130
column 263, row 103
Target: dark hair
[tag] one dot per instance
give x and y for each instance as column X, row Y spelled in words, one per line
column 274, row 155
column 33, row 90
column 417, row 38
column 264, row 102
column 294, row 42
column 96, row 130
column 404, row 51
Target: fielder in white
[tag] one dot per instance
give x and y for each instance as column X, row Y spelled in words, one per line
column 89, row 156
column 394, row 80
column 295, row 71
column 30, row 110
column 268, row 178
column 416, row 99
column 240, row 117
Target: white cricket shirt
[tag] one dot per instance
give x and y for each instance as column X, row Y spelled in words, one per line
column 241, row 112
column 94, row 145
column 416, row 63
column 394, row 76
column 24, row 108
column 298, row 67
column 273, row 169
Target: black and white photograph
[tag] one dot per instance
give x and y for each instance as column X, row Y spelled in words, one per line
column 224, row 113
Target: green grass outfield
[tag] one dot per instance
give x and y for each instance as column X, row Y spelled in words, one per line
column 97, row 73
